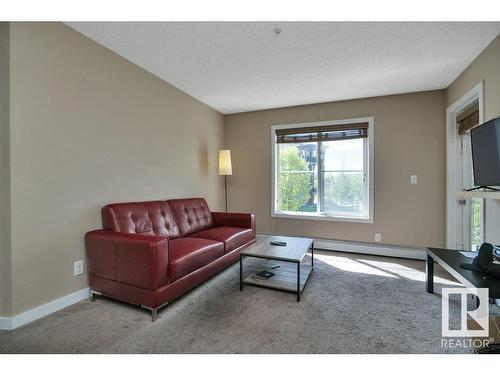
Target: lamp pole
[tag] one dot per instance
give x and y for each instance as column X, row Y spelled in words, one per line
column 225, row 188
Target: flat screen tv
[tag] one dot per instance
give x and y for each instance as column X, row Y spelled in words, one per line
column 485, row 141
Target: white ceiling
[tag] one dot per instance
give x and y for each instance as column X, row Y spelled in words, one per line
column 236, row 67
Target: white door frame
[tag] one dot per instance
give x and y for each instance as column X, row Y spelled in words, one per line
column 453, row 180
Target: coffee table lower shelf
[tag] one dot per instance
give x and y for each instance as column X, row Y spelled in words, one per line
column 285, row 277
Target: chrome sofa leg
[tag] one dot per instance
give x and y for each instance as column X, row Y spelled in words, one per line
column 154, row 312
column 94, row 295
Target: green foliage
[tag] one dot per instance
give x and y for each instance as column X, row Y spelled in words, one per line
column 476, row 223
column 295, row 179
column 343, row 188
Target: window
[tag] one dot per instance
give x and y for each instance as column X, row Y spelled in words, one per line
column 323, row 170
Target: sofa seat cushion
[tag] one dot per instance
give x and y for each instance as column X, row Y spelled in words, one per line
column 232, row 237
column 188, row 254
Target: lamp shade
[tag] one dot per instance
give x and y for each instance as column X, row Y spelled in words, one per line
column 225, row 167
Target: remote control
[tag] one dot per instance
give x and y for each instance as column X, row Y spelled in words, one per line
column 278, row 243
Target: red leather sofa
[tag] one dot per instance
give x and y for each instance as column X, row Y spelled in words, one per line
column 149, row 253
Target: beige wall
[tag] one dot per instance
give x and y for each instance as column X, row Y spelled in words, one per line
column 89, row 128
column 486, row 67
column 409, row 139
column 5, row 286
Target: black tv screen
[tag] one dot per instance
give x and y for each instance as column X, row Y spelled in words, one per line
column 486, row 153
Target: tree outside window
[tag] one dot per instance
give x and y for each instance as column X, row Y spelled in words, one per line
column 295, row 179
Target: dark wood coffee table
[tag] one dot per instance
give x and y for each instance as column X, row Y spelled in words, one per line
column 292, row 275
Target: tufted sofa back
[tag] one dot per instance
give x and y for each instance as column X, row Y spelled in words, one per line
column 192, row 215
column 150, row 218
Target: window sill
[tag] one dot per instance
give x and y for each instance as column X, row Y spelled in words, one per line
column 322, row 217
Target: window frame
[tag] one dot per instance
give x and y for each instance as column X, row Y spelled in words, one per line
column 323, row 216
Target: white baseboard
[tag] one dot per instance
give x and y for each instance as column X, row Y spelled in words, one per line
column 44, row 310
column 371, row 249
column 5, row 323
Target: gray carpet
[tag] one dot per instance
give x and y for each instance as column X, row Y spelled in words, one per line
column 352, row 304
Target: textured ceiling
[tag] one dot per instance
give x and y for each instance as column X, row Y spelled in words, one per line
column 237, row 67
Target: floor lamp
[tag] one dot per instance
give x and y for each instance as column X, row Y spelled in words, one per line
column 225, row 168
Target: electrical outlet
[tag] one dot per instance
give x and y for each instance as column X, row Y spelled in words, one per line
column 378, row 237
column 413, row 179
column 78, row 267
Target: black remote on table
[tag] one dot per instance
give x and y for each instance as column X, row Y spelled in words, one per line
column 278, row 243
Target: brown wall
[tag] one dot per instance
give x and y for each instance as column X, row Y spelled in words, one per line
column 5, row 281
column 486, row 68
column 88, row 128
column 409, row 139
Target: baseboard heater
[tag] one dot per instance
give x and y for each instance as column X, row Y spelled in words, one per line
column 395, row 251
column 370, row 249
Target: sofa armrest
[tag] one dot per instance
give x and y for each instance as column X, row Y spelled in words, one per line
column 234, row 219
column 135, row 259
